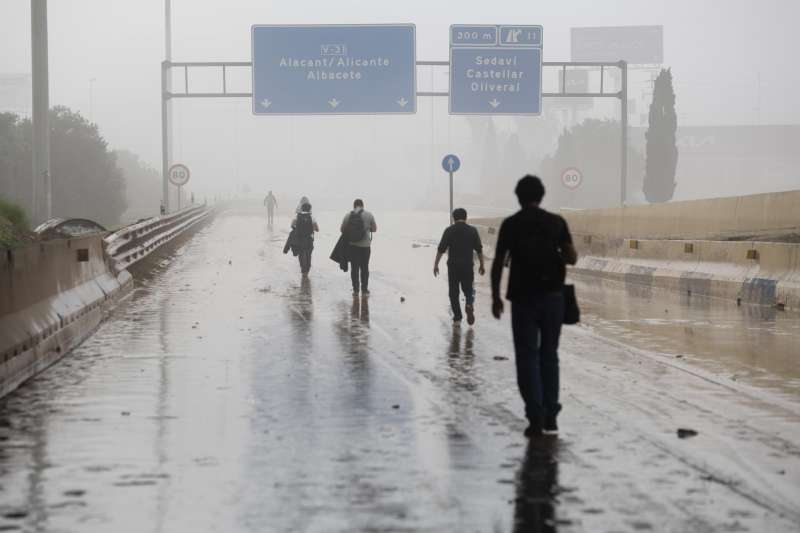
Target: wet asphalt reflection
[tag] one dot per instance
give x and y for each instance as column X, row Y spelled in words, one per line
column 227, row 394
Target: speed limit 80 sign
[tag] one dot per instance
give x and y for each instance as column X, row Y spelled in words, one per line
column 178, row 175
column 571, row 178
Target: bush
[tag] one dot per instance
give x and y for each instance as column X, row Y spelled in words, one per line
column 14, row 214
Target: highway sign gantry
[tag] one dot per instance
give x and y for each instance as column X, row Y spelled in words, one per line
column 334, row 70
column 495, row 70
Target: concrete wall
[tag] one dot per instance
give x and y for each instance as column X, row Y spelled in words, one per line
column 52, row 295
column 763, row 273
column 672, row 246
column 761, row 215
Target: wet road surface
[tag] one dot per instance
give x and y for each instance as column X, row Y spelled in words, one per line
column 228, row 395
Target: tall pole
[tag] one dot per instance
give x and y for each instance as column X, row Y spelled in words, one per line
column 623, row 171
column 451, row 195
column 42, row 180
column 166, row 111
column 164, row 140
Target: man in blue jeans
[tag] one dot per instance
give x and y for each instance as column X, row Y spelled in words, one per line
column 539, row 246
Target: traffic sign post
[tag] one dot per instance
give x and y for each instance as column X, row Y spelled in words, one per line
column 572, row 178
column 451, row 163
column 179, row 175
column 334, row 70
column 495, row 70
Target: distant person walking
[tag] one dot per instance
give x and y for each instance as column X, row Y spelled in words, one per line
column 539, row 246
column 302, row 240
column 357, row 227
column 272, row 203
column 461, row 241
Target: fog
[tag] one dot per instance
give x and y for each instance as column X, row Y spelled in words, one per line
column 732, row 63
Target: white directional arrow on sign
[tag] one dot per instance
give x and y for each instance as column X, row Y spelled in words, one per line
column 333, row 102
column 451, row 163
column 494, row 103
column 402, row 102
column 266, row 103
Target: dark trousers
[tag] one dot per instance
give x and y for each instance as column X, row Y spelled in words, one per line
column 537, row 327
column 359, row 267
column 460, row 277
column 304, row 256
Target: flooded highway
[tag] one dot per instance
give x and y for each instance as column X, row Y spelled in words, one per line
column 227, row 394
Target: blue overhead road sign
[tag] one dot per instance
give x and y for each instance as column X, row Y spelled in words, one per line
column 451, row 163
column 334, row 70
column 495, row 70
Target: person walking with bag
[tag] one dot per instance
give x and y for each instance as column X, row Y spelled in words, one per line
column 302, row 239
column 539, row 246
column 357, row 227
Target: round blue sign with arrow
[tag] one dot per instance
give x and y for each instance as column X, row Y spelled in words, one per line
column 451, row 163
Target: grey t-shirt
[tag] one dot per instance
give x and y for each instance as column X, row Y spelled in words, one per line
column 369, row 220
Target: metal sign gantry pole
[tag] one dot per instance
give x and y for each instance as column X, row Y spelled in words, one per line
column 42, row 178
column 622, row 95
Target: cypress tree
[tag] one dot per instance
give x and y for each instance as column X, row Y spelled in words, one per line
column 662, row 151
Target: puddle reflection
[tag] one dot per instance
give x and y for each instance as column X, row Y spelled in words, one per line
column 537, row 479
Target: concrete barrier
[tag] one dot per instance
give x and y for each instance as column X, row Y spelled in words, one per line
column 759, row 216
column 763, row 273
column 52, row 295
column 756, row 217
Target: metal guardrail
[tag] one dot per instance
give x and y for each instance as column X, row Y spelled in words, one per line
column 135, row 242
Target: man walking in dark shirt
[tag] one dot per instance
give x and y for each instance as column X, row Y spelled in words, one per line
column 539, row 246
column 460, row 240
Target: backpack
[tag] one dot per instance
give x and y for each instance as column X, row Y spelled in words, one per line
column 304, row 227
column 355, row 230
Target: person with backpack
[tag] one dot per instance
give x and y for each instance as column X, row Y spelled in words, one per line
column 357, row 228
column 539, row 246
column 460, row 241
column 303, row 201
column 302, row 239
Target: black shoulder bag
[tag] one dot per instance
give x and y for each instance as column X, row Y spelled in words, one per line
column 572, row 314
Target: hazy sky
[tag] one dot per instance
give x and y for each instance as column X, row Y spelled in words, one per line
column 733, row 62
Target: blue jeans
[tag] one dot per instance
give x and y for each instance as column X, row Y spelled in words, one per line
column 536, row 325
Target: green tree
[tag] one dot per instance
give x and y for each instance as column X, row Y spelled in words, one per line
column 490, row 167
column 15, row 161
column 142, row 186
column 662, row 150
column 86, row 180
column 592, row 147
